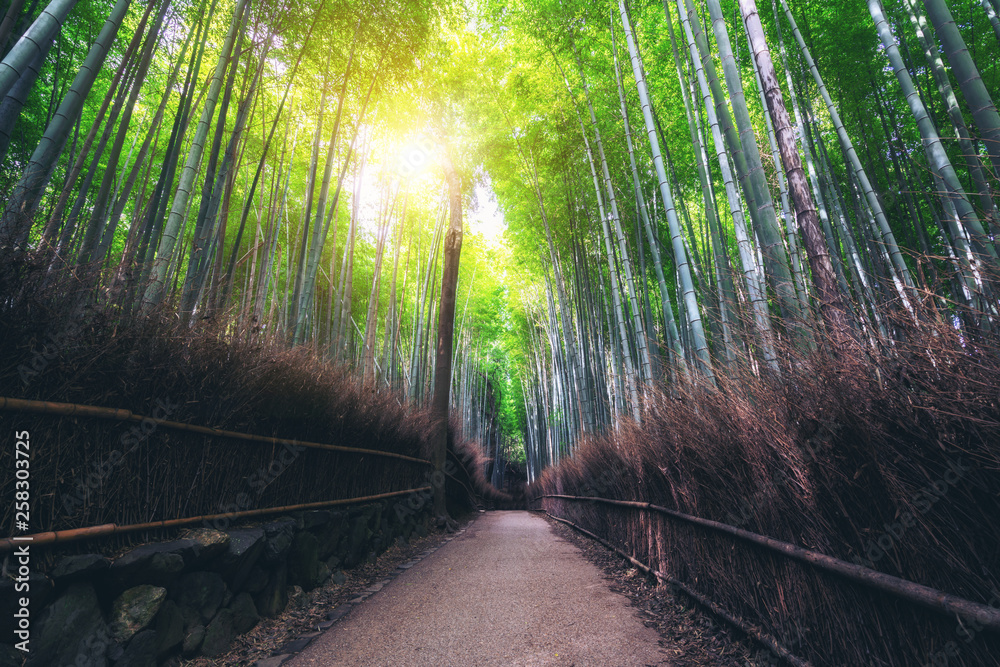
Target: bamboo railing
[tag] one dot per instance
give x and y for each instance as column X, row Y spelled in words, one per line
column 106, row 529
column 925, row 596
column 75, row 410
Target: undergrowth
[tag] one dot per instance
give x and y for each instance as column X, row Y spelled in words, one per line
column 61, row 343
column 891, row 461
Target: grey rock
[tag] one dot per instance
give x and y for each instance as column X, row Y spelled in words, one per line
column 339, row 612
column 314, row 518
column 202, row 591
column 10, row 656
column 279, row 536
column 331, row 534
column 272, row 600
column 169, row 628
column 244, row 613
column 242, row 553
column 257, row 580
column 357, row 545
column 193, row 640
column 140, row 652
column 219, row 634
column 70, row 629
column 295, row 645
column 134, row 610
column 191, row 617
column 375, row 518
column 211, row 544
column 303, row 561
column 158, row 564
column 74, row 568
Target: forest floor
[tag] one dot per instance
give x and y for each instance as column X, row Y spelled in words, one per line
column 507, row 591
column 513, row 588
column 308, row 613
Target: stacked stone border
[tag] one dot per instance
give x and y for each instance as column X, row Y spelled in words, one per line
column 191, row 596
column 289, row 649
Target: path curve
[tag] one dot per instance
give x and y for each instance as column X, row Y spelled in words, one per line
column 506, row 592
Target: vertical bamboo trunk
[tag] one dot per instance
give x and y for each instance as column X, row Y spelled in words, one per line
column 19, row 213
column 752, row 273
column 175, row 222
column 904, row 282
column 933, row 147
column 722, row 274
column 981, row 106
column 968, row 151
column 700, row 343
column 640, row 333
column 612, row 266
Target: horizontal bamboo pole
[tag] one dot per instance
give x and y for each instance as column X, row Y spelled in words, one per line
column 74, row 410
column 764, row 638
column 103, row 530
column 926, row 596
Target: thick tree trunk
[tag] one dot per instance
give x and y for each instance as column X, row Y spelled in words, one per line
column 905, row 289
column 831, row 301
column 446, row 327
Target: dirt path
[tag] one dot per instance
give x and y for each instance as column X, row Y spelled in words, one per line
column 508, row 591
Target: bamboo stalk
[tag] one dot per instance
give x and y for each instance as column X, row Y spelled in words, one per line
column 75, row 410
column 76, row 534
column 931, row 598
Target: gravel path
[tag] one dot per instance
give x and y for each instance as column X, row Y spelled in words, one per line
column 508, row 591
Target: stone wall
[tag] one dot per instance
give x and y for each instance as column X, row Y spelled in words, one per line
column 192, row 596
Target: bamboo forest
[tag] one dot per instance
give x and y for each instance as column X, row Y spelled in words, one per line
column 688, row 312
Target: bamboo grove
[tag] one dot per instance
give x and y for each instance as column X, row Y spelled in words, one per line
column 244, row 162
column 689, row 187
column 715, row 182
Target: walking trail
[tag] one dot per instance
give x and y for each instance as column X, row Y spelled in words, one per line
column 508, row 591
